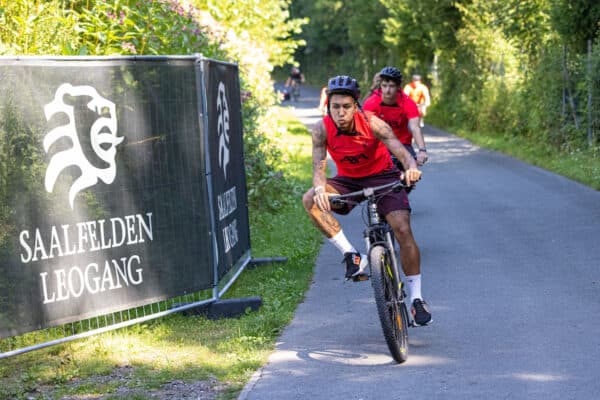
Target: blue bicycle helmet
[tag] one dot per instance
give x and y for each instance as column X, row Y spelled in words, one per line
column 391, row 74
column 343, row 84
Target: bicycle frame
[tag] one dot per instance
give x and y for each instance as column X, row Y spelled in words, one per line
column 378, row 230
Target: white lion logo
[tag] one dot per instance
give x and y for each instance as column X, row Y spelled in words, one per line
column 102, row 142
column 223, row 128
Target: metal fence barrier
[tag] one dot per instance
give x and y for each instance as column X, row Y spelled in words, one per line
column 122, row 193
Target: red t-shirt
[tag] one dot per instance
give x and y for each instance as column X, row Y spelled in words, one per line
column 396, row 116
column 359, row 154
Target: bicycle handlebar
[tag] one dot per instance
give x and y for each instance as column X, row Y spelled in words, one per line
column 369, row 191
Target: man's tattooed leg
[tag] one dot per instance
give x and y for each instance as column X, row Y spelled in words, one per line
column 325, row 222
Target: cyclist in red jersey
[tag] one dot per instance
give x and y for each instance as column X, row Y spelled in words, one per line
column 393, row 106
column 360, row 145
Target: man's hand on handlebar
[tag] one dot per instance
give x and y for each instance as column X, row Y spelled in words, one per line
column 321, row 198
column 411, row 176
column 421, row 158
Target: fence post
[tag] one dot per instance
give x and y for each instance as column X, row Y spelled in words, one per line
column 564, row 86
column 589, row 102
column 569, row 93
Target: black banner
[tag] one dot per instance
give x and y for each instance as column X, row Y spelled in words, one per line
column 103, row 191
column 226, row 163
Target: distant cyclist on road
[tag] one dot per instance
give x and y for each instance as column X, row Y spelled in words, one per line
column 294, row 80
column 419, row 93
column 394, row 107
column 360, row 144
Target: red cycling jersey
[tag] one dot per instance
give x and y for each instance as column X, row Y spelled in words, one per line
column 396, row 116
column 357, row 154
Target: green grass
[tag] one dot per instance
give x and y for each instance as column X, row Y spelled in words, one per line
column 577, row 164
column 194, row 348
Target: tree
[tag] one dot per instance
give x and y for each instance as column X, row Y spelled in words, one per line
column 577, row 21
column 265, row 25
column 365, row 29
column 525, row 23
column 415, row 30
column 326, row 38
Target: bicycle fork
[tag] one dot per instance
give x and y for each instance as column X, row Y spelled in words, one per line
column 379, row 232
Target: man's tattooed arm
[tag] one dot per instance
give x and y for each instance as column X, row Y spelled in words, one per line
column 319, row 154
column 384, row 133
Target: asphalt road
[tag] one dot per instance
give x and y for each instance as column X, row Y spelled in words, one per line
column 511, row 270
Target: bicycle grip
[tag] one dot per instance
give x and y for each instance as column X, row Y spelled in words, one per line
column 403, row 186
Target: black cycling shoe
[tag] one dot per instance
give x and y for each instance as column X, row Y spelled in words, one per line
column 420, row 312
column 355, row 267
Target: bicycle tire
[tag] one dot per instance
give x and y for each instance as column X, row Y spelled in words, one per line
column 390, row 307
column 296, row 93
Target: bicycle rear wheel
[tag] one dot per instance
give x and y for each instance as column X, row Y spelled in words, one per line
column 390, row 307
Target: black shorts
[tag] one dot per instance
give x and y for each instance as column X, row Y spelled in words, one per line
column 392, row 201
column 397, row 163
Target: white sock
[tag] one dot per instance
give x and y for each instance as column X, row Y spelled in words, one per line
column 342, row 244
column 414, row 287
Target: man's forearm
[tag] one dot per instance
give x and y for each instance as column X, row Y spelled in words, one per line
column 319, row 154
column 419, row 140
column 398, row 150
column 415, row 129
column 319, row 178
column 384, row 133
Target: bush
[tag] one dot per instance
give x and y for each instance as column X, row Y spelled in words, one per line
column 34, row 27
column 143, row 27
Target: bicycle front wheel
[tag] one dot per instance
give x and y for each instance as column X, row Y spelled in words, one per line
column 296, row 92
column 390, row 303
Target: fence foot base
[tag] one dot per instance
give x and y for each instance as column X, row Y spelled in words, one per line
column 225, row 308
column 254, row 262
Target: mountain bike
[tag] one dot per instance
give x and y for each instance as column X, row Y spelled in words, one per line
column 383, row 267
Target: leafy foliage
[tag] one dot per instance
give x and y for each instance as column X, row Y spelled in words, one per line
column 34, row 27
column 142, row 27
column 365, row 28
column 577, row 21
column 415, row 30
column 326, row 37
column 265, row 25
column 491, row 65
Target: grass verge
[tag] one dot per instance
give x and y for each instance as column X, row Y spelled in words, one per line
column 130, row 363
column 580, row 165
